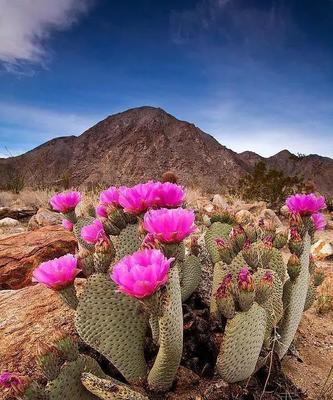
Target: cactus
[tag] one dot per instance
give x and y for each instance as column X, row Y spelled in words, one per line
column 80, row 223
column 190, row 276
column 128, row 241
column 216, row 231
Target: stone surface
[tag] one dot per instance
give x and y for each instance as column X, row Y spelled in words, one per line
column 27, row 315
column 21, row 253
column 219, row 201
column 271, row 215
column 322, row 249
column 9, row 222
column 17, row 212
column 206, row 220
column 244, row 217
column 284, row 211
column 44, row 217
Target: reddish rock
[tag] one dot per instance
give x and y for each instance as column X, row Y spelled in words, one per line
column 21, row 253
column 27, row 315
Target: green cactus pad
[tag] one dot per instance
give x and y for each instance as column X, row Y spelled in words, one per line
column 215, row 231
column 68, row 386
column 110, row 389
column 105, row 318
column 274, row 304
column 310, row 296
column 278, row 265
column 190, row 276
column 220, row 271
column 241, row 345
column 167, row 361
column 294, row 301
column 77, row 232
column 237, row 264
column 128, row 241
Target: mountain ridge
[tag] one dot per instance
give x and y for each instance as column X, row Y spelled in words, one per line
column 141, row 143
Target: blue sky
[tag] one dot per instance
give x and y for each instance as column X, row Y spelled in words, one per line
column 257, row 74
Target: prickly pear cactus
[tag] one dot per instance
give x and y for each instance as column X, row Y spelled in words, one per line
column 216, row 230
column 241, row 345
column 81, row 222
column 278, row 265
column 128, row 241
column 110, row 389
column 167, row 361
column 294, row 301
column 190, row 276
column 67, row 385
column 105, row 317
column 310, row 296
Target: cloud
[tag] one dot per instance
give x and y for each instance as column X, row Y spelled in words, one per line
column 27, row 126
column 25, row 25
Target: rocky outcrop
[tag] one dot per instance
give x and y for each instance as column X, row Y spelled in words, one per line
column 28, row 315
column 44, row 217
column 21, row 253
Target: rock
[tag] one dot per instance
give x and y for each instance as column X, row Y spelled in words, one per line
column 28, row 315
column 219, row 201
column 21, row 253
column 321, row 249
column 206, row 220
column 284, row 211
column 209, row 208
column 270, row 214
column 244, row 217
column 17, row 212
column 44, row 217
column 9, row 222
column 254, row 208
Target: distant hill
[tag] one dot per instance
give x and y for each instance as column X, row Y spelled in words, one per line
column 142, row 143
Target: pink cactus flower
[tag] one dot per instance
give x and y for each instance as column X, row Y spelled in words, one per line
column 65, row 202
column 110, row 196
column 8, row 380
column 139, row 198
column 170, row 195
column 220, row 242
column 94, row 232
column 101, row 211
column 67, row 224
column 319, row 221
column 245, row 280
column 142, row 273
column 170, row 225
column 57, row 273
column 305, row 204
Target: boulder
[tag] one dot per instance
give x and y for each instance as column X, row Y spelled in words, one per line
column 271, row 215
column 244, row 217
column 209, row 208
column 284, row 211
column 27, row 315
column 21, row 253
column 206, row 220
column 44, row 217
column 9, row 222
column 219, row 201
column 321, row 249
column 17, row 212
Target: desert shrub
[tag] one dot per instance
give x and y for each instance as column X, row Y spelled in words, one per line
column 269, row 185
column 15, row 180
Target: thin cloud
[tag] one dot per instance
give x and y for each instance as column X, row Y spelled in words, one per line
column 25, row 26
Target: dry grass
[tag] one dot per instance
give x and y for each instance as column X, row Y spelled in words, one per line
column 327, row 389
column 194, row 198
column 26, row 198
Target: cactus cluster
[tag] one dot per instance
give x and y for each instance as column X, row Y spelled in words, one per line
column 138, row 273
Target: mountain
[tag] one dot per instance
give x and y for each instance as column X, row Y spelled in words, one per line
column 142, row 143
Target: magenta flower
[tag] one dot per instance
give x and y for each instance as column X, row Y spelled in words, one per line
column 170, row 225
column 319, row 221
column 139, row 198
column 8, row 380
column 101, row 211
column 67, row 224
column 65, row 202
column 170, row 195
column 110, row 196
column 142, row 273
column 94, row 232
column 305, row 204
column 57, row 273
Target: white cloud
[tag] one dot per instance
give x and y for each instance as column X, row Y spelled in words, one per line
column 26, row 24
column 43, row 123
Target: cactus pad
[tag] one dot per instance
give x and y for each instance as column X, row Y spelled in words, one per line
column 310, row 296
column 215, row 231
column 68, row 386
column 128, row 241
column 242, row 342
column 77, row 232
column 190, row 276
column 105, row 317
column 110, row 389
column 294, row 301
column 278, row 265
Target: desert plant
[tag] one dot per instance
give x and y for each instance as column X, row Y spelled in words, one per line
column 269, row 185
